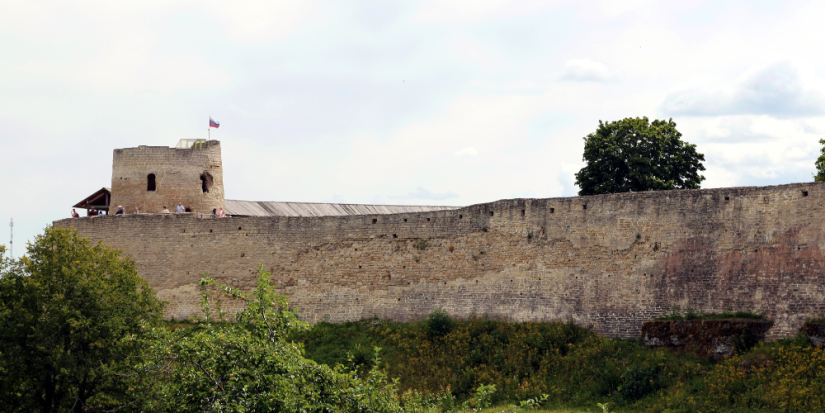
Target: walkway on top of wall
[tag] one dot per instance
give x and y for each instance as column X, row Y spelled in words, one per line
column 311, row 209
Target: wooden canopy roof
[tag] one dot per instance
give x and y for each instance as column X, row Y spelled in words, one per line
column 98, row 200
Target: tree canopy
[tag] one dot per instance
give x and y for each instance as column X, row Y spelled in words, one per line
column 820, row 163
column 249, row 366
column 69, row 312
column 634, row 154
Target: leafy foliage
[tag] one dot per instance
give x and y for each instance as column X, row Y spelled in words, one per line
column 438, row 324
column 634, row 154
column 820, row 163
column 70, row 316
column 569, row 364
column 781, row 377
column 249, row 365
column 639, row 381
column 575, row 368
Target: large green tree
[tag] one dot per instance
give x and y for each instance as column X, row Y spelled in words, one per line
column 634, row 154
column 71, row 317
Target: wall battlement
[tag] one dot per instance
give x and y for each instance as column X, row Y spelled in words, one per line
column 610, row 261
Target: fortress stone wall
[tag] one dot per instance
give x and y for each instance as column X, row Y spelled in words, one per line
column 610, row 261
column 191, row 176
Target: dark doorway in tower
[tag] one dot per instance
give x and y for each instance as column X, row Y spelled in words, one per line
column 150, row 182
column 206, row 182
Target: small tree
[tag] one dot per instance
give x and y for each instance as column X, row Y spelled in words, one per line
column 70, row 313
column 635, row 155
column 820, row 163
column 249, row 366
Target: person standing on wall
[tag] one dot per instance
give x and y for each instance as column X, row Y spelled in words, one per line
column 120, row 210
column 181, row 208
column 75, row 214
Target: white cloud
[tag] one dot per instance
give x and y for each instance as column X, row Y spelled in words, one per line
column 585, row 70
column 778, row 89
column 437, row 102
column 754, row 149
column 250, row 21
column 462, row 11
column 467, row 151
column 425, row 194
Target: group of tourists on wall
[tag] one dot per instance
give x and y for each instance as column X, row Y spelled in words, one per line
column 91, row 212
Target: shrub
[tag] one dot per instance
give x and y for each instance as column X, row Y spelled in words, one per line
column 638, row 382
column 250, row 366
column 438, row 324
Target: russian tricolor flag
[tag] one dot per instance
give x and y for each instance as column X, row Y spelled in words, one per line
column 213, row 123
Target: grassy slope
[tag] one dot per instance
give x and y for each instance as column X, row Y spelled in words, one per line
column 575, row 367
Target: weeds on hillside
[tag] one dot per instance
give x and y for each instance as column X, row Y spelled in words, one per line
column 555, row 365
column 782, row 376
column 537, row 364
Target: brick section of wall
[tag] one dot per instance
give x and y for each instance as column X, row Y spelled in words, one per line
column 177, row 177
column 610, row 261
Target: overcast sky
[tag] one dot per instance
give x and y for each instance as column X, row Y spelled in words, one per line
column 435, row 103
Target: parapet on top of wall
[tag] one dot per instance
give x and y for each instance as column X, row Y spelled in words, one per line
column 151, row 177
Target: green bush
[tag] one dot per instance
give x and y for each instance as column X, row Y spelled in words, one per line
column 438, row 324
column 638, row 382
column 250, row 366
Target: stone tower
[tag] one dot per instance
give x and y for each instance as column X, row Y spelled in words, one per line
column 151, row 177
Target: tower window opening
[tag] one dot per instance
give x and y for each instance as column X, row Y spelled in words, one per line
column 150, row 182
column 206, row 182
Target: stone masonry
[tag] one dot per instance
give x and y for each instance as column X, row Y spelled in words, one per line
column 193, row 177
column 607, row 261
